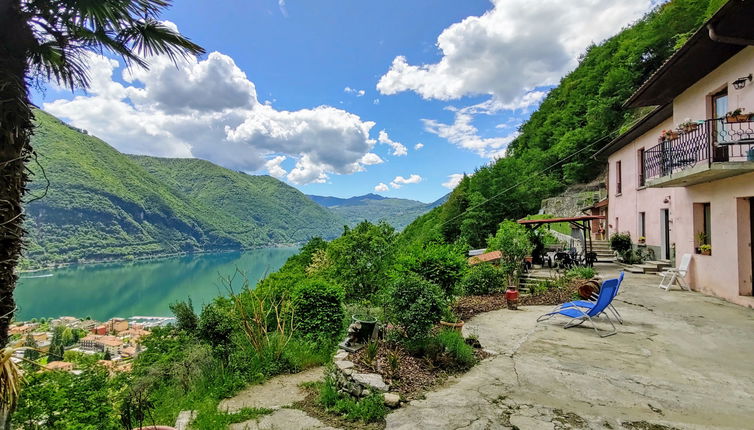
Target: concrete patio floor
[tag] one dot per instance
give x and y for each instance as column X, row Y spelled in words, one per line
column 681, row 360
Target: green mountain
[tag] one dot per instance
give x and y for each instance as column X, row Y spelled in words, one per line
column 555, row 147
column 374, row 208
column 102, row 204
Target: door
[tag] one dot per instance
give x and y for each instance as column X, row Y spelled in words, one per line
column 751, row 242
column 665, row 233
column 720, row 109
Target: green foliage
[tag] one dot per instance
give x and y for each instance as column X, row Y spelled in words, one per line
column 582, row 273
column 103, row 204
column 62, row 400
column 360, row 258
column 216, row 325
column 443, row 265
column 209, row 418
column 185, row 317
column 514, row 242
column 318, row 307
column 456, row 349
column 620, row 242
column 369, row 409
column 415, row 304
column 483, row 279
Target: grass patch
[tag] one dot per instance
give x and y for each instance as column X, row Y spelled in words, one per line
column 209, row 418
column 369, row 409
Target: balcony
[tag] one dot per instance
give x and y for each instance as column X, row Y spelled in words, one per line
column 704, row 152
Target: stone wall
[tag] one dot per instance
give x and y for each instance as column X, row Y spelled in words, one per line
column 356, row 384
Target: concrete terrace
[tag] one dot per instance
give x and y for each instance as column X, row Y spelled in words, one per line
column 681, row 360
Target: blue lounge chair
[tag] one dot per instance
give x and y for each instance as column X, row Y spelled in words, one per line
column 588, row 304
column 579, row 315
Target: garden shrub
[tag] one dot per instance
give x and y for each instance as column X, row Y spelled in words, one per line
column 216, row 325
column 318, row 309
column 416, row 304
column 620, row 242
column 439, row 263
column 581, row 273
column 514, row 241
column 483, row 279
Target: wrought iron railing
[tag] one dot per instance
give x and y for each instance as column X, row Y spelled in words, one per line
column 706, row 142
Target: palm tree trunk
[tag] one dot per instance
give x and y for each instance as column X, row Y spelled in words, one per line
column 16, row 125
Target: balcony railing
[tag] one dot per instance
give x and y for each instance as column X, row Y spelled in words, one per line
column 711, row 141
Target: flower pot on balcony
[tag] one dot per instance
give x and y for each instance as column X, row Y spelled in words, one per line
column 736, row 118
column 688, row 128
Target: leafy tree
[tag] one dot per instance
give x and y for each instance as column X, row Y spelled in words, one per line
column 416, row 305
column 513, row 241
column 360, row 258
column 318, row 307
column 31, row 354
column 47, row 40
column 216, row 325
column 107, row 356
column 438, row 263
column 185, row 316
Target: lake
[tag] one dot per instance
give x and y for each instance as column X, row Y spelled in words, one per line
column 103, row 291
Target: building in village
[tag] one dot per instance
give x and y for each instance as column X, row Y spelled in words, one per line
column 683, row 176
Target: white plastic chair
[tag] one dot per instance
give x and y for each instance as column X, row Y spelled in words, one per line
column 671, row 276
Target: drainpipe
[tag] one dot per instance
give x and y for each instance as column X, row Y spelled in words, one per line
column 728, row 39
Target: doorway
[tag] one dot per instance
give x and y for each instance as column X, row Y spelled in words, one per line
column 751, row 243
column 665, row 233
column 720, row 109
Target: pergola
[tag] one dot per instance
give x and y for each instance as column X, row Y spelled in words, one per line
column 582, row 223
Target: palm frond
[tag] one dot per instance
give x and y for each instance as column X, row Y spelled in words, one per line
column 150, row 37
column 10, row 379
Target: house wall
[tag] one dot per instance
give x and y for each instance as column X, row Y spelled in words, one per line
column 633, row 198
column 727, row 272
column 694, row 103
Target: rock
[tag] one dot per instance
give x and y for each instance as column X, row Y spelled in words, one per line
column 184, row 419
column 348, row 372
column 366, row 393
column 343, row 364
column 372, row 380
column 341, row 355
column 392, row 400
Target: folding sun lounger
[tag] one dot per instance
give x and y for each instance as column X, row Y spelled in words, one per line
column 589, row 304
column 579, row 315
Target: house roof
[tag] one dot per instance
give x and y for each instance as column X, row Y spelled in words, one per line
column 55, row 365
column 700, row 55
column 648, row 122
column 486, row 257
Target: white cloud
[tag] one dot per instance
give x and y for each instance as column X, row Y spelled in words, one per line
column 381, row 187
column 371, row 158
column 376, row 101
column 418, row 146
column 283, row 9
column 463, row 134
column 398, row 148
column 453, row 180
column 273, row 167
column 399, row 181
column 209, row 109
column 515, row 47
column 349, row 90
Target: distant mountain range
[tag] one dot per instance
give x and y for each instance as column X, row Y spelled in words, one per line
column 103, row 205
column 374, row 208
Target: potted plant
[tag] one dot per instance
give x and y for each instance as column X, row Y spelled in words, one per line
column 688, row 125
column 701, row 239
column 642, row 240
column 705, row 249
column 736, row 115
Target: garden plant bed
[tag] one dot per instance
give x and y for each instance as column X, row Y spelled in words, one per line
column 413, row 377
column 468, row 306
column 312, row 406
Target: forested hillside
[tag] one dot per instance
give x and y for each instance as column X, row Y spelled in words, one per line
column 556, row 145
column 375, row 208
column 102, row 204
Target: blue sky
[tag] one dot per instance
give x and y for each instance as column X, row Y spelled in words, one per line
column 333, row 96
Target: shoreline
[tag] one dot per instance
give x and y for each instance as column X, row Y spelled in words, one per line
column 152, row 257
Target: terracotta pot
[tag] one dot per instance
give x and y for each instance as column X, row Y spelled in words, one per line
column 706, row 252
column 737, row 118
column 457, row 326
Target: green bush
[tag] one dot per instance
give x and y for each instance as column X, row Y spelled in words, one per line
column 581, row 273
column 318, row 309
column 415, row 304
column 483, row 279
column 438, row 263
column 216, row 325
column 620, row 242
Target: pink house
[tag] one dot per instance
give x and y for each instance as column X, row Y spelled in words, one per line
column 682, row 177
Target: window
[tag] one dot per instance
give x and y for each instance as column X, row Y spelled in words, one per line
column 703, row 228
column 640, row 155
column 642, row 224
column 618, row 178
